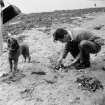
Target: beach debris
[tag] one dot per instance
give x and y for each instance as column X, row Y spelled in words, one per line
column 39, row 73
column 98, row 27
column 89, row 83
column 50, row 81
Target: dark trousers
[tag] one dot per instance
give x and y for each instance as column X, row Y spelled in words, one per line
column 83, row 49
column 86, row 47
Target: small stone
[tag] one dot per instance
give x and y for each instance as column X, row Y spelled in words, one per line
column 103, row 68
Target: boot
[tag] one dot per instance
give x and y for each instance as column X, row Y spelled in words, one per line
column 82, row 65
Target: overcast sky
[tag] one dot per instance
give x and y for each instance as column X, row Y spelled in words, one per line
column 32, row 6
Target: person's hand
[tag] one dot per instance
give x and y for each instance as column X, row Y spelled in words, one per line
column 59, row 64
column 57, row 67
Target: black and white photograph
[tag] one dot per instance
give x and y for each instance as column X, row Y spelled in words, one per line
column 52, row 52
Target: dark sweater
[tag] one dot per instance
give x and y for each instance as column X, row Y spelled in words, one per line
column 77, row 35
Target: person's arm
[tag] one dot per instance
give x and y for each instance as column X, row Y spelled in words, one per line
column 62, row 57
column 75, row 61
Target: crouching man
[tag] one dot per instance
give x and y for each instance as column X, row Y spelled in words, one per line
column 80, row 43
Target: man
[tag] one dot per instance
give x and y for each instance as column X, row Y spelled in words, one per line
column 80, row 43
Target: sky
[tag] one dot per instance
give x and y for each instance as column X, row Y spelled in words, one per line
column 35, row 6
